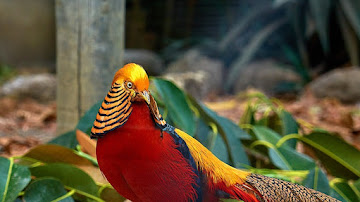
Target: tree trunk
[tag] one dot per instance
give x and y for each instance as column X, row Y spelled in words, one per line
column 90, row 46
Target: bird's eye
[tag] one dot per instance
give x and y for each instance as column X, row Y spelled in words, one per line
column 129, row 85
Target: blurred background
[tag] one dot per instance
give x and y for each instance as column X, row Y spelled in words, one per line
column 303, row 52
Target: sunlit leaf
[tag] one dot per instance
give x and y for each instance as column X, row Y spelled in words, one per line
column 110, row 194
column 45, row 190
column 13, row 179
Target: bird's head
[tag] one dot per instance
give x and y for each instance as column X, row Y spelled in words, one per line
column 130, row 84
column 134, row 80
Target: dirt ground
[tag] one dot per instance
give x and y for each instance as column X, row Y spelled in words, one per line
column 27, row 123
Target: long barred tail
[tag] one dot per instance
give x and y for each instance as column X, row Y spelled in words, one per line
column 272, row 189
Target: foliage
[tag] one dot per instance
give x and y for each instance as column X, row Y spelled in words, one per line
column 265, row 143
column 303, row 33
column 297, row 22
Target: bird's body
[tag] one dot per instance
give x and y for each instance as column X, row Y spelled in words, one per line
column 145, row 159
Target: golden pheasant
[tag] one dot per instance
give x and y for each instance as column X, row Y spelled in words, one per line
column 146, row 159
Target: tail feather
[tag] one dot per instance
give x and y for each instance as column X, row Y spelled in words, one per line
column 272, row 189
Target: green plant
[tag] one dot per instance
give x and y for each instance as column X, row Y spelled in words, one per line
column 265, row 145
column 294, row 32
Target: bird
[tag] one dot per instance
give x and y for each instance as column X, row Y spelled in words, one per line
column 146, row 159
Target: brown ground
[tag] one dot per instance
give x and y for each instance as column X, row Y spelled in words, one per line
column 25, row 124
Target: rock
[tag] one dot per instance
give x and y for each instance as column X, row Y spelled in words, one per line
column 269, row 76
column 41, row 87
column 342, row 84
column 151, row 62
column 197, row 74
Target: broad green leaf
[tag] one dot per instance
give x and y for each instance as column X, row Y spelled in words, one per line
column 320, row 10
column 203, row 133
column 251, row 48
column 48, row 153
column 289, row 159
column 340, row 158
column 289, row 126
column 317, row 180
column 219, row 149
column 13, row 179
column 344, row 190
column 283, row 157
column 356, row 187
column 176, row 104
column 72, row 177
column 336, row 195
column 351, row 9
column 59, row 154
column 67, row 140
column 45, row 190
column 266, row 134
column 229, row 131
column 86, row 122
column 111, row 195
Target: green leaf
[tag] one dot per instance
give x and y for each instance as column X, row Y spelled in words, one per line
column 283, row 157
column 344, row 190
column 219, row 149
column 317, row 180
column 356, row 187
column 111, row 195
column 59, row 154
column 229, row 131
column 289, row 159
column 13, row 179
column 289, row 126
column 320, row 10
column 72, row 177
column 251, row 48
column 67, row 140
column 176, row 103
column 340, row 158
column 49, row 153
column 86, row 122
column 45, row 190
column 351, row 9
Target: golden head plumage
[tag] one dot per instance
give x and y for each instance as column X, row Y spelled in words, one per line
column 130, row 84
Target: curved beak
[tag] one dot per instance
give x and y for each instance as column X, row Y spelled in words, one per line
column 146, row 96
